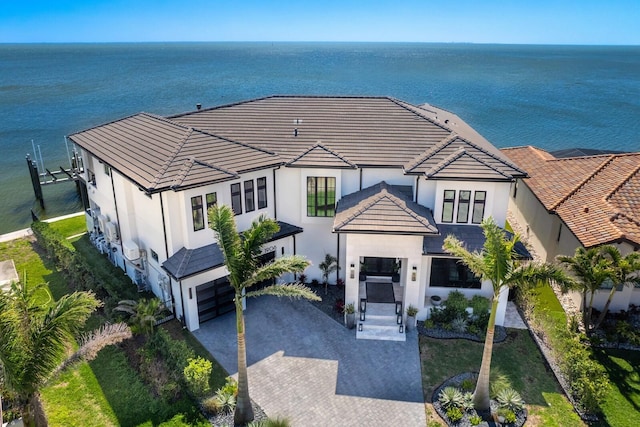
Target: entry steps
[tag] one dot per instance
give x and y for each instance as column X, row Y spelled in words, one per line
column 381, row 323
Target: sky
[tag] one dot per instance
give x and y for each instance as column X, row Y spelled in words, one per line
column 613, row 22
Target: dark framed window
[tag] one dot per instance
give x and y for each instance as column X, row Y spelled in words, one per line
column 261, row 183
column 450, row 273
column 321, row 196
column 236, row 199
column 479, row 200
column 107, row 170
column 249, row 196
column 464, row 198
column 197, row 213
column 212, row 200
column 92, row 177
column 447, row 205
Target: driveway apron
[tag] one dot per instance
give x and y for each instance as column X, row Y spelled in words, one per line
column 306, row 367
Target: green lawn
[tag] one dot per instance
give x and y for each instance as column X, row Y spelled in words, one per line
column 622, row 405
column 106, row 391
column 518, row 358
column 70, row 226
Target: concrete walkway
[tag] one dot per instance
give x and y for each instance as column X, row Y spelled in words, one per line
column 305, row 366
column 512, row 318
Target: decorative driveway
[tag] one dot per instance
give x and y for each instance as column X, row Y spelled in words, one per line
column 310, row 369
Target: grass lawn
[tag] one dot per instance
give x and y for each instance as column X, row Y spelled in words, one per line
column 518, row 358
column 106, row 391
column 70, row 226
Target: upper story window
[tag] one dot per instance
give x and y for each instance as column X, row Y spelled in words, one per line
column 321, row 196
column 262, row 192
column 464, row 198
column 91, row 177
column 447, row 205
column 479, row 200
column 249, row 194
column 236, row 199
column 197, row 213
column 107, row 170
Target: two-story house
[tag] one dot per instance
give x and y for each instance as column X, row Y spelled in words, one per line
column 374, row 181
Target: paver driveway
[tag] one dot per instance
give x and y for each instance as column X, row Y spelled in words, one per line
column 305, row 366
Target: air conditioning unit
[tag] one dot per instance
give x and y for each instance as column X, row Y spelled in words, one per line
column 131, row 250
column 102, row 222
column 111, row 232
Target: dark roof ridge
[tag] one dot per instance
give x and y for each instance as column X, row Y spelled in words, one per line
column 433, row 150
column 320, row 145
column 455, row 156
column 582, row 183
column 623, row 182
column 171, row 158
column 141, row 113
column 417, row 113
column 244, row 144
column 189, row 163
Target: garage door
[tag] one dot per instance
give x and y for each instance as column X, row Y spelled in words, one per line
column 214, row 299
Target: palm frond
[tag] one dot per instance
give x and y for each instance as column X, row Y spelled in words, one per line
column 222, row 222
column 290, row 290
column 275, row 269
column 534, row 274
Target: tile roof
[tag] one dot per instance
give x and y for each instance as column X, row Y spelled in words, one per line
column 597, row 197
column 220, row 143
column 188, row 262
column 157, row 153
column 382, row 208
column 471, row 235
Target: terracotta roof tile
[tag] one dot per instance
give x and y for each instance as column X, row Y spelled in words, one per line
column 597, row 197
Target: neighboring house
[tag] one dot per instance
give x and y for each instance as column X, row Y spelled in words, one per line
column 374, row 181
column 585, row 201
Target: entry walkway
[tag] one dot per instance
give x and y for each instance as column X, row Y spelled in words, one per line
column 305, row 366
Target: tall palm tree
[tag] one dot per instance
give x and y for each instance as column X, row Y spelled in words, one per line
column 590, row 269
column 625, row 271
column 34, row 340
column 241, row 257
column 499, row 263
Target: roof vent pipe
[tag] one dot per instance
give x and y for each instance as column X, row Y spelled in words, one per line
column 295, row 132
column 198, row 106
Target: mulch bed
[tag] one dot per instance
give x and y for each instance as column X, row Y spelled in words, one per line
column 500, row 334
column 328, row 303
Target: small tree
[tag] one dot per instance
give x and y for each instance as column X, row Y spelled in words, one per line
column 196, row 375
column 328, row 266
column 143, row 313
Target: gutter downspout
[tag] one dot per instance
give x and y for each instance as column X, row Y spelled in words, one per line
column 115, row 203
column 417, row 186
column 275, row 201
column 360, row 178
column 338, row 258
column 182, row 318
column 166, row 252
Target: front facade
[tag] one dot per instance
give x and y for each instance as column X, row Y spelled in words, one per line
column 376, row 182
column 582, row 201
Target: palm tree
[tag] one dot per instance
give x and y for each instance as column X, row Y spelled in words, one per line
column 144, row 313
column 590, row 269
column 328, row 266
column 241, row 257
column 34, row 340
column 499, row 263
column 624, row 271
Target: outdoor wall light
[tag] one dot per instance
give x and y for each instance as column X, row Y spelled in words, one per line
column 360, row 327
column 398, row 307
column 352, row 271
column 399, row 321
column 414, row 273
column 401, row 329
column 362, row 316
column 363, row 305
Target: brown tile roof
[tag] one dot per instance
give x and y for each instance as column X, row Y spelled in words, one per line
column 157, row 153
column 302, row 131
column 597, row 197
column 321, row 156
column 382, row 208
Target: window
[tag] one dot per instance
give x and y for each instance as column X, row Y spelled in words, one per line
column 212, row 200
column 196, row 213
column 478, row 206
column 464, row 198
column 92, row 177
column 249, row 203
column 236, row 199
column 321, row 196
column 107, row 170
column 447, row 205
column 262, row 192
column 450, row 273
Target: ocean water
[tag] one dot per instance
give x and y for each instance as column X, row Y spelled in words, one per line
column 553, row 97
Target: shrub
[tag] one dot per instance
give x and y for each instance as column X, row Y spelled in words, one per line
column 315, row 282
column 428, row 323
column 454, row 414
column 479, row 304
column 509, row 415
column 467, row 401
column 457, row 301
column 411, row 310
column 508, row 398
column 196, row 376
column 459, row 325
column 302, row 278
column 450, row 397
column 475, row 420
column 176, row 353
column 498, row 383
column 467, row 384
